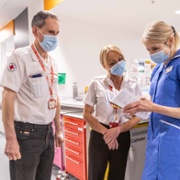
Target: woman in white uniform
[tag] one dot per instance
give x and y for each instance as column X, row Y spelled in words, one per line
column 109, row 137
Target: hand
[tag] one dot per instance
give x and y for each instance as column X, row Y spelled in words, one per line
column 12, row 149
column 111, row 134
column 112, row 145
column 59, row 139
column 143, row 104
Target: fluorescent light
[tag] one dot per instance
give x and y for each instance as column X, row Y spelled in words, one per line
column 177, row 12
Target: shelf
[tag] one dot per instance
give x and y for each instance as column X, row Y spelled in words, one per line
column 70, row 102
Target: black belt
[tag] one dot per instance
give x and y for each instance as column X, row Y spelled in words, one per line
column 33, row 126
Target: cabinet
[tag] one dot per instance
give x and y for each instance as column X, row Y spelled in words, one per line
column 137, row 149
column 75, row 146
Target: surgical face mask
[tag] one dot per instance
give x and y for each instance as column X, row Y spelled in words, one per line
column 49, row 42
column 118, row 69
column 160, row 57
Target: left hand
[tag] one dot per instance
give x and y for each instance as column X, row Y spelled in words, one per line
column 59, row 139
column 143, row 104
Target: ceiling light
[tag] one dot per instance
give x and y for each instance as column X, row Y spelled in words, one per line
column 177, row 12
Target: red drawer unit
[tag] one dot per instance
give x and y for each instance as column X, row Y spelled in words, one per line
column 75, row 146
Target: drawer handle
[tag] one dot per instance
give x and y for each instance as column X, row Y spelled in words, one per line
column 72, row 160
column 75, row 152
column 72, row 132
column 72, row 141
column 71, row 123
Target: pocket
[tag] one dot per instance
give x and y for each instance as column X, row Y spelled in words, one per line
column 170, row 124
column 23, row 134
column 39, row 87
column 169, row 149
column 102, row 97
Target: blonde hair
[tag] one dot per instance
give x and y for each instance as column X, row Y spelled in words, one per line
column 105, row 50
column 159, row 31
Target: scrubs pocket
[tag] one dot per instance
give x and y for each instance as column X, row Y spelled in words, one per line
column 39, row 87
column 169, row 151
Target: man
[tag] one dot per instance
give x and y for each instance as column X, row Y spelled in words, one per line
column 30, row 103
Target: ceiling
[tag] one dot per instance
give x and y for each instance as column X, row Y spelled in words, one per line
column 132, row 15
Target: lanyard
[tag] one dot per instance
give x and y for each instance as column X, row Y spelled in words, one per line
column 44, row 69
column 114, row 106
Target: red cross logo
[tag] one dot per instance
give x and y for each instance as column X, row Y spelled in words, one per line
column 11, row 67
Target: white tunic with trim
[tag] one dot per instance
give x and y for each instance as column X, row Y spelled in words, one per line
column 99, row 95
column 31, row 103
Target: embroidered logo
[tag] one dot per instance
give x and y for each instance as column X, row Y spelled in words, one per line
column 11, row 67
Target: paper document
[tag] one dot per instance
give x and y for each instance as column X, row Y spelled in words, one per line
column 125, row 97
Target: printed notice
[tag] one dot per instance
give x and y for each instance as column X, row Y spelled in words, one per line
column 125, row 97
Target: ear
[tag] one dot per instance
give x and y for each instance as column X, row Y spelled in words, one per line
column 34, row 31
column 170, row 41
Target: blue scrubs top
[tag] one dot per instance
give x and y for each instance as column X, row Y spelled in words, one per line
column 163, row 147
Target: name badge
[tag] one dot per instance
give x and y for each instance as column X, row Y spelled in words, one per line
column 52, row 104
column 169, row 69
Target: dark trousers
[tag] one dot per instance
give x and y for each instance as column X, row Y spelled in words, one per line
column 37, row 152
column 100, row 155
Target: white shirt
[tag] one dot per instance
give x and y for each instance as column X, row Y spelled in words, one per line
column 31, row 103
column 99, row 95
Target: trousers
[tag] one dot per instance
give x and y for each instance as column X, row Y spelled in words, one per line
column 100, row 155
column 37, row 152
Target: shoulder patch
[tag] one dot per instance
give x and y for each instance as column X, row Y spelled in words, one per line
column 11, row 67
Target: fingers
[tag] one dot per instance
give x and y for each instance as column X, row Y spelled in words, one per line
column 59, row 140
column 131, row 105
column 14, row 157
column 112, row 145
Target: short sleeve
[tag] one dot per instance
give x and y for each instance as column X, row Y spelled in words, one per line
column 90, row 97
column 14, row 73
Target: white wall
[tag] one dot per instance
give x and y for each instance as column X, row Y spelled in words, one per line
column 79, row 45
column 33, row 8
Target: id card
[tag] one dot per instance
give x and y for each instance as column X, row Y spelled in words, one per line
column 113, row 121
column 52, row 104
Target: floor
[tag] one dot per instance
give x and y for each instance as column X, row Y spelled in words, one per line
column 4, row 165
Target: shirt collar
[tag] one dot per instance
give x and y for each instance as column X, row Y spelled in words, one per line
column 110, row 82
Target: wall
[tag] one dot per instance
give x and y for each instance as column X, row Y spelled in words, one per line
column 33, row 8
column 21, row 29
column 79, row 45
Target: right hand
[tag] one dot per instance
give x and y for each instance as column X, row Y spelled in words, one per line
column 112, row 145
column 12, row 149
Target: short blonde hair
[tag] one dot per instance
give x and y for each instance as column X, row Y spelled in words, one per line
column 105, row 50
column 159, row 31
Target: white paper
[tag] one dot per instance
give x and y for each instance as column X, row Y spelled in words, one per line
column 125, row 97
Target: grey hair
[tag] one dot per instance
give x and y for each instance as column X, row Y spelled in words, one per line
column 39, row 19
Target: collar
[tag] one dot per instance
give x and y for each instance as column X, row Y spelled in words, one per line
column 109, row 82
column 34, row 57
column 177, row 55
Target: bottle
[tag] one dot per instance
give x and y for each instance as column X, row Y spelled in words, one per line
column 75, row 90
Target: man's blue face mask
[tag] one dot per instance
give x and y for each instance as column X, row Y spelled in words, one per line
column 118, row 69
column 49, row 42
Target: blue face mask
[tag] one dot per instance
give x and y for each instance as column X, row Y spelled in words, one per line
column 160, row 57
column 118, row 69
column 49, row 42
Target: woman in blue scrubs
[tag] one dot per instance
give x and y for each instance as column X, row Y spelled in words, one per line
column 163, row 147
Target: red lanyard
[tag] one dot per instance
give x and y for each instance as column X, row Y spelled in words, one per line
column 114, row 106
column 44, row 69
